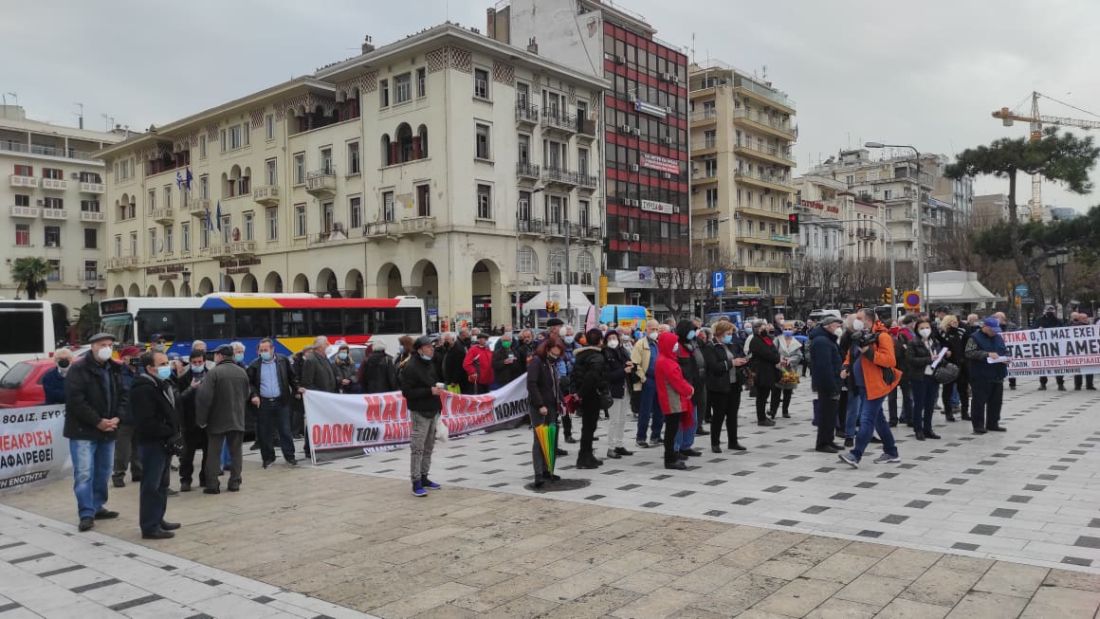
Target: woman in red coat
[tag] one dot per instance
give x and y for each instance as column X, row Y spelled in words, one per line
column 673, row 395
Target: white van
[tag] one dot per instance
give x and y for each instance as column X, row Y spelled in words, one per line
column 818, row 314
column 28, row 327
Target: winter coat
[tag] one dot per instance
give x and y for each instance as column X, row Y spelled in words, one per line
column 955, row 341
column 640, row 354
column 417, row 379
column 288, row 382
column 378, row 374
column 718, row 367
column 504, row 372
column 918, row 356
column 825, row 363
column 673, row 390
column 764, row 358
column 977, row 349
column 452, row 364
column 616, row 359
column 590, row 373
column 317, row 373
column 543, row 390
column 478, row 365
column 221, row 398
column 154, row 404
column 89, row 398
column 53, row 384
column 344, row 370
column 879, row 360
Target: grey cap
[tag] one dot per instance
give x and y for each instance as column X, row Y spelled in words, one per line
column 828, row 320
column 225, row 350
column 422, row 341
column 555, row 322
column 99, row 337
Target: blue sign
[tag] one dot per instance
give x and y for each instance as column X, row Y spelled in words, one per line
column 718, row 282
column 1023, row 291
column 433, row 313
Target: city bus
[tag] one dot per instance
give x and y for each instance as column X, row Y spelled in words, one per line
column 293, row 320
column 630, row 316
column 28, row 331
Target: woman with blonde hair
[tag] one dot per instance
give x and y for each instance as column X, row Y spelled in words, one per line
column 723, row 358
column 953, row 337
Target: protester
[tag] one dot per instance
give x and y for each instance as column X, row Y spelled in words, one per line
column 1076, row 319
column 920, row 353
column 674, row 397
column 378, row 373
column 954, row 338
column 904, row 334
column 506, row 363
column 644, row 357
column 791, row 356
column 765, row 366
column 873, row 361
column 453, row 371
column 1050, row 320
column 687, row 333
column 405, row 349
column 478, row 365
column 194, row 437
column 703, row 337
column 1002, row 320
column 126, row 455
column 344, row 367
column 544, row 398
column 272, row 385
column 442, row 347
column 53, row 381
column 220, row 410
column 827, row 378
column 591, row 384
column 525, row 348
column 153, row 399
column 565, row 377
column 987, row 379
column 723, row 359
column 618, row 367
column 422, row 388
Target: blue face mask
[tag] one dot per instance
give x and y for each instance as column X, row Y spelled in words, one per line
column 727, row 338
column 691, row 334
column 637, row 335
column 426, row 357
column 788, row 333
column 569, row 339
column 238, row 357
column 266, row 356
column 164, row 372
column 343, row 356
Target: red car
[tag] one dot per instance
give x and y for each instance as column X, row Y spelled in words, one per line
column 22, row 384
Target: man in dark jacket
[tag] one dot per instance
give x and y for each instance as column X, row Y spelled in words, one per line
column 153, row 400
column 126, row 454
column 53, row 382
column 272, row 386
column 194, row 437
column 94, row 395
column 378, row 373
column 453, row 374
column 421, row 387
column 219, row 409
column 826, row 379
column 764, row 361
column 590, row 382
column 507, row 365
column 1050, row 320
column 987, row 379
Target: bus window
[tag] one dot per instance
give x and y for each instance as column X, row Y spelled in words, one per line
column 213, row 325
column 356, row 321
column 253, row 323
column 397, row 321
column 291, row 323
column 23, row 332
column 327, row 322
column 174, row 325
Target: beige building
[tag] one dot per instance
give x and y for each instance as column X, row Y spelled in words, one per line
column 990, row 210
column 52, row 201
column 417, row 168
column 742, row 130
column 833, row 225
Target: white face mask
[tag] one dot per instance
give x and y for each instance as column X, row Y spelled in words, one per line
column 926, row 332
column 104, row 353
column 612, row 343
column 839, row 331
column 652, row 335
column 857, row 325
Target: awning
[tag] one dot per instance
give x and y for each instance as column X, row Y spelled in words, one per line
column 958, row 287
column 577, row 299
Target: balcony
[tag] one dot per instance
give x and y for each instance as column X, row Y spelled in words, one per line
column 321, row 184
column 768, row 266
column 47, row 151
column 26, row 212
column 777, row 183
column 779, row 212
column 704, row 117
column 93, row 217
column 122, row 263
column 773, row 154
column 96, row 188
column 405, row 227
column 586, row 128
column 773, row 240
column 55, row 184
column 527, row 170
column 765, row 124
column 748, row 88
column 18, row 180
column 587, row 181
column 267, row 195
column 199, row 207
column 590, row 234
column 529, row 227
column 526, row 114
column 558, row 120
column 559, row 176
column 56, row 214
column 242, row 249
column 554, row 228
column 704, row 177
column 162, row 215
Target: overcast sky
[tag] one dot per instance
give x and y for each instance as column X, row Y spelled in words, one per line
column 858, row 70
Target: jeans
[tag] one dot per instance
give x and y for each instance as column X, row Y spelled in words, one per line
column 274, row 415
column 851, row 416
column 872, row 421
column 672, row 426
column 724, row 407
column 985, row 411
column 126, row 453
column 648, row 413
column 422, row 444
column 92, row 461
column 153, row 499
column 955, row 400
column 925, row 390
column 685, row 438
column 826, row 422
column 214, row 444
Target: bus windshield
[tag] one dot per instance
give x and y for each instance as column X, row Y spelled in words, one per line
column 121, row 326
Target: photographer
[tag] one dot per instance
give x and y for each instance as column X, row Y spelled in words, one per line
column 874, row 365
column 157, row 430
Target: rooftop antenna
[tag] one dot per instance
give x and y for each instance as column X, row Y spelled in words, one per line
column 110, row 120
column 80, row 114
column 13, row 96
column 693, row 48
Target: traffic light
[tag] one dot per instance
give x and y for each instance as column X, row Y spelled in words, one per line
column 888, row 296
column 792, row 223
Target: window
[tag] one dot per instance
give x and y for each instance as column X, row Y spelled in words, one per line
column 299, row 220
column 402, row 88
column 53, row 173
column 526, row 260
column 55, row 271
column 23, row 235
column 481, row 142
column 299, row 168
column 353, row 157
column 202, row 146
column 53, row 203
column 712, row 197
column 524, row 153
column 152, row 241
column 249, row 226
column 90, row 238
column 387, row 206
column 226, row 229
column 326, row 217
column 423, row 200
column 583, row 214
column 712, row 228
column 326, row 160
column 152, row 205
column 24, row 170
column 383, row 93
column 523, row 96
column 481, row 84
column 272, row 214
column 53, row 236
column 421, row 82
column 91, row 270
column 169, row 238
column 484, row 201
column 167, row 196
column 89, row 206
column 355, row 213
column 582, row 161
column 118, row 244
column 22, row 199
column 524, row 206
column 185, row 237
column 244, row 185
column 269, row 127
column 271, row 171
column 204, row 187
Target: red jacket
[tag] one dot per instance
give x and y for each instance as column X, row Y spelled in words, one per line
column 484, row 368
column 673, row 390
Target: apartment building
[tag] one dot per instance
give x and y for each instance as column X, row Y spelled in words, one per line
column 645, row 112
column 415, row 168
column 52, row 201
column 831, row 227
column 742, row 131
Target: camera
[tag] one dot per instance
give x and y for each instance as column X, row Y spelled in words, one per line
column 867, row 338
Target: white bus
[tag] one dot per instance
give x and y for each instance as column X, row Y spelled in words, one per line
column 293, row 320
column 27, row 331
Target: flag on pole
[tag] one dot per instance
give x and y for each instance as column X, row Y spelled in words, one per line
column 207, row 220
column 188, row 178
column 179, row 180
column 218, row 222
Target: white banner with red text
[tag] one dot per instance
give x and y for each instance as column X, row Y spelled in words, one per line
column 32, row 448
column 1062, row 351
column 382, row 420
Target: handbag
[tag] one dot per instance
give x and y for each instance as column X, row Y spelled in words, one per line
column 606, row 401
column 946, row 372
column 442, row 432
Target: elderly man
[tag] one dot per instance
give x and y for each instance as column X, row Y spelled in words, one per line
column 644, row 357
column 156, row 422
column 94, row 397
column 421, row 387
column 219, row 409
column 317, row 374
column 273, row 387
column 453, row 372
column 508, row 365
column 53, row 382
column 986, row 353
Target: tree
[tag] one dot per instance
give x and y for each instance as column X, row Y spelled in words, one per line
column 88, row 323
column 1063, row 158
column 684, row 280
column 30, row 274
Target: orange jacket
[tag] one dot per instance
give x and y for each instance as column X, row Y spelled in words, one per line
column 879, row 356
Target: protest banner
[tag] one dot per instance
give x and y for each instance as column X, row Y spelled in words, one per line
column 32, row 448
column 1062, row 351
column 379, row 420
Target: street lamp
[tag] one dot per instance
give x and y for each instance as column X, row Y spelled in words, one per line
column 1057, row 262
column 186, row 275
column 923, row 285
column 89, row 289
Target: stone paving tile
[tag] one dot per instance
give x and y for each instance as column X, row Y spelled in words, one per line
column 1062, row 603
column 983, row 605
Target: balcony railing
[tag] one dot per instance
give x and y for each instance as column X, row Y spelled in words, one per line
column 527, row 170
column 163, row 215
column 49, row 151
column 321, row 183
column 789, row 131
column 408, row 226
column 770, row 94
column 199, row 207
column 705, row 145
column 529, row 226
column 122, row 263
column 586, row 127
column 18, row 180
column 95, row 217
column 527, row 113
column 55, row 184
column 773, row 151
column 559, row 175
column 704, row 115
column 774, row 180
column 55, row 213
column 29, row 212
column 268, row 195
column 588, row 181
column 558, row 119
column 96, row 188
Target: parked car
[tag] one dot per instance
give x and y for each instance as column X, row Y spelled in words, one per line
column 22, row 384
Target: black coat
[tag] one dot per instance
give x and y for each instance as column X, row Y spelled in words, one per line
column 825, row 363
column 453, row 371
column 417, row 379
column 718, row 368
column 379, row 373
column 186, row 404
column 88, row 399
column 764, row 359
column 288, row 381
column 917, row 357
column 616, row 370
column 543, row 389
column 504, row 373
column 153, row 402
column 955, row 341
column 590, row 373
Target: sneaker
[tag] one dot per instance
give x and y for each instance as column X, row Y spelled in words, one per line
column 886, row 458
column 118, row 482
column 418, row 490
column 642, row 444
column 849, row 442
column 849, row 459
column 429, row 484
column 85, row 524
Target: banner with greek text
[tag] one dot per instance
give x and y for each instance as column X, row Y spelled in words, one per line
column 1062, row 351
column 32, row 448
column 379, row 420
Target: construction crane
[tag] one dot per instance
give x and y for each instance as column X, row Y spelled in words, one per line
column 1036, row 121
